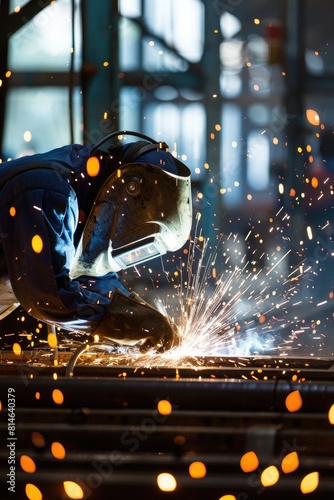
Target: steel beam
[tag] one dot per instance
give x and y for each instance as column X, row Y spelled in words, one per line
column 100, row 82
column 210, row 206
column 203, row 394
column 4, row 17
column 294, row 21
column 26, row 13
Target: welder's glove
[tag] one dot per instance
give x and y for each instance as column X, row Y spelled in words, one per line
column 129, row 320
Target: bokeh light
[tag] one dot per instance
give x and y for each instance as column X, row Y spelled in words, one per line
column 37, row 243
column 249, row 462
column 32, row 492
column 166, row 482
column 52, row 340
column 290, row 462
column 312, row 117
column 57, row 396
column 331, row 414
column 197, row 470
column 164, row 407
column 294, row 401
column 27, row 464
column 269, row 476
column 17, row 349
column 38, row 440
column 93, row 166
column 73, row 490
column 309, row 483
column 58, row 450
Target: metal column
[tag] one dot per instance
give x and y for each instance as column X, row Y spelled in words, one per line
column 100, row 82
column 4, row 16
column 211, row 209
column 294, row 107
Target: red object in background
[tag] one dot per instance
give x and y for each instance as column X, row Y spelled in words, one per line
column 274, row 34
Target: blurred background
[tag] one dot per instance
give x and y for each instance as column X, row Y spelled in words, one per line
column 243, row 94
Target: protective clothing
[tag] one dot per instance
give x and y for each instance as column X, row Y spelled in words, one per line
column 50, row 207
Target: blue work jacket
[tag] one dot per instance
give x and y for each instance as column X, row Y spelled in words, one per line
column 44, row 199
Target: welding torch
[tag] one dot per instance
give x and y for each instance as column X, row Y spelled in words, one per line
column 129, row 320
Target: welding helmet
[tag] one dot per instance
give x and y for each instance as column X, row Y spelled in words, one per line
column 142, row 210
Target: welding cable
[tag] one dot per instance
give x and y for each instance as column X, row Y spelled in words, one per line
column 84, row 348
column 122, row 132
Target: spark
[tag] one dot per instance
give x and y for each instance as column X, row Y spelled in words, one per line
column 228, row 315
column 278, row 262
column 248, row 235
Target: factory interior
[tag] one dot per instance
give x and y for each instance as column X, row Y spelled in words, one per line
column 242, row 92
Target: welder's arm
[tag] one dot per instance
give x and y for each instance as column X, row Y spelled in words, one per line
column 38, row 244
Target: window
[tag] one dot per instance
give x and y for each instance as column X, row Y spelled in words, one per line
column 40, row 54
column 157, row 46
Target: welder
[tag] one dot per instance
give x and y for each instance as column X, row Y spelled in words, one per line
column 73, row 218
